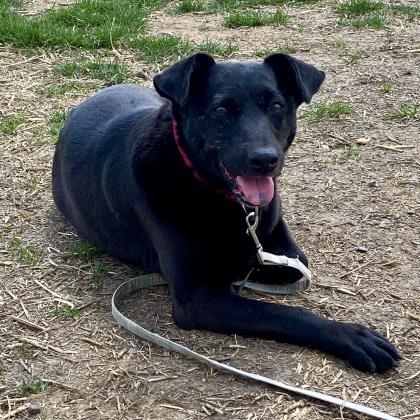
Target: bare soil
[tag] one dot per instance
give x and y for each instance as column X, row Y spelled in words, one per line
column 333, row 202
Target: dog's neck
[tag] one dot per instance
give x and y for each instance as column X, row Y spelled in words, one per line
column 189, row 165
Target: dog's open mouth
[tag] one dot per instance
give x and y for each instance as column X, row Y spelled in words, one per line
column 254, row 190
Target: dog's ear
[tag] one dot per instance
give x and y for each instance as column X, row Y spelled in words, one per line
column 302, row 78
column 174, row 82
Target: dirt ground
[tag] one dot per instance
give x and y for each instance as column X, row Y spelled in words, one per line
column 334, row 202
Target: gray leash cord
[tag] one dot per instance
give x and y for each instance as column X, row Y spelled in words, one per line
column 276, row 289
column 155, row 280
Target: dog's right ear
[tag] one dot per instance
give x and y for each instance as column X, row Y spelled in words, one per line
column 174, row 82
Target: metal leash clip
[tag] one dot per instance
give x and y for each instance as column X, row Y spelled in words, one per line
column 266, row 258
column 252, row 229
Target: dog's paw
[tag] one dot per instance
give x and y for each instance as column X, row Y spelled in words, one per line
column 271, row 274
column 364, row 348
column 275, row 275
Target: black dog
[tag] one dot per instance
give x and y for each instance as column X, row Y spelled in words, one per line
column 158, row 179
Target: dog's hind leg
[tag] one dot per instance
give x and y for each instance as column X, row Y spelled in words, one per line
column 58, row 188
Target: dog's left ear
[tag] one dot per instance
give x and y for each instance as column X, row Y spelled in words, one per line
column 303, row 79
column 174, row 82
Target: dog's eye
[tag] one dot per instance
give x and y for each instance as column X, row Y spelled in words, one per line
column 221, row 109
column 276, row 106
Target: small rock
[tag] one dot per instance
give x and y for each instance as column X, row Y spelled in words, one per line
column 372, row 184
column 363, row 140
column 362, row 248
column 33, row 409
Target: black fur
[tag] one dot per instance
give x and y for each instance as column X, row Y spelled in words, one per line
column 119, row 179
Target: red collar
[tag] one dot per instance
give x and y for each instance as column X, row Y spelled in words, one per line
column 188, row 163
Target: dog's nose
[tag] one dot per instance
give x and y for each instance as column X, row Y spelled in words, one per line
column 263, row 160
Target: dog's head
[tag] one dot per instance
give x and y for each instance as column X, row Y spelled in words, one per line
column 237, row 120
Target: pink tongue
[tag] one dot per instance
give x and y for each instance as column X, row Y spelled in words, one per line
column 258, row 191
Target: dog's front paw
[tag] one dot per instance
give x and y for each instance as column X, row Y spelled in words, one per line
column 271, row 274
column 364, row 348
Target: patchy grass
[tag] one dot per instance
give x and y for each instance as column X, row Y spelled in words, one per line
column 328, row 110
column 112, row 72
column 363, row 14
column 217, row 49
column 66, row 311
column 33, row 386
column 405, row 111
column 217, row 6
column 169, row 48
column 99, row 272
column 10, row 123
column 88, row 24
column 354, row 58
column 57, row 89
column 349, row 153
column 358, row 7
column 38, row 133
column 155, row 49
column 56, row 123
column 222, row 5
column 285, row 48
column 302, row 2
column 373, row 14
column 26, row 351
column 33, row 182
column 14, row 4
column 409, row 12
column 84, row 251
column 251, row 18
column 385, row 88
column 27, row 254
column 2, row 370
column 188, row 6
column 338, row 43
column 375, row 21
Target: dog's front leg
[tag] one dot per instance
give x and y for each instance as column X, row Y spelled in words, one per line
column 223, row 311
column 203, row 299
